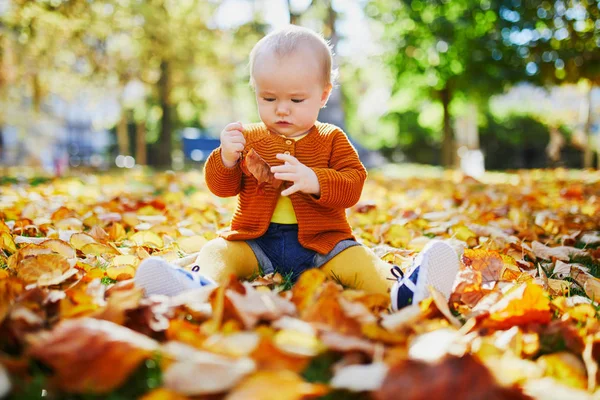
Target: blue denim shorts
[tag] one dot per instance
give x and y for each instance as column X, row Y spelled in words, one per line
column 279, row 250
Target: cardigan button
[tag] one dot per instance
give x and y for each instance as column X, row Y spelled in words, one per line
column 286, row 152
column 288, row 142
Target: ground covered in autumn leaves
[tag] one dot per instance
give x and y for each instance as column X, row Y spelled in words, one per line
column 522, row 321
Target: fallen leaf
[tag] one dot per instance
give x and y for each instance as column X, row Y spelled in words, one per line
column 276, row 385
column 527, row 303
column 462, row 378
column 90, row 355
column 196, row 372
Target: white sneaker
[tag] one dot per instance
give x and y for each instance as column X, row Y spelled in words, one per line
column 157, row 276
column 436, row 265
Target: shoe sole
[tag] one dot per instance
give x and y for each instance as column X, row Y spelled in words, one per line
column 157, row 278
column 442, row 259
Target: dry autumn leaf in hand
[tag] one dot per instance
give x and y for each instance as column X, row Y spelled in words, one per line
column 90, row 355
column 253, row 164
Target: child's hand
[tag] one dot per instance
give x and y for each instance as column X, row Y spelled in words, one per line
column 232, row 144
column 305, row 180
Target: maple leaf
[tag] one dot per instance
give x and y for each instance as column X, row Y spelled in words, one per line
column 253, row 165
column 90, row 355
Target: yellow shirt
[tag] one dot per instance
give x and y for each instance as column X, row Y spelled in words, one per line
column 284, row 210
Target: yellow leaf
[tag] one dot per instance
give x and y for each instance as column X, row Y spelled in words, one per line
column 125, row 260
column 7, row 242
column 397, row 236
column 147, row 239
column 191, row 244
column 566, row 368
column 120, row 273
column 276, row 385
column 97, row 249
column 78, row 240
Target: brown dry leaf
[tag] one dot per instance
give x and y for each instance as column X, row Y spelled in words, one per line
column 467, row 287
column 119, row 302
column 46, row 266
column 253, row 165
column 524, row 304
column 328, row 311
column 462, row 378
column 254, row 306
column 90, row 355
column 276, row 385
column 491, row 264
column 562, row 253
column 59, row 246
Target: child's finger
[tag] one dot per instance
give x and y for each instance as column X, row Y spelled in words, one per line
column 285, row 176
column 291, row 190
column 288, row 158
column 283, row 168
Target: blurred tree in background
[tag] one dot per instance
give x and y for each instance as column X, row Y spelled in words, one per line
column 560, row 43
column 420, row 68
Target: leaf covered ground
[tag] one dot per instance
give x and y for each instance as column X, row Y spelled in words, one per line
column 522, row 321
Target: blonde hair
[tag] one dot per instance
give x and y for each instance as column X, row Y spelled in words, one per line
column 287, row 40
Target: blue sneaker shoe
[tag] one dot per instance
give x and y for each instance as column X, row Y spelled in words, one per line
column 157, row 276
column 436, row 265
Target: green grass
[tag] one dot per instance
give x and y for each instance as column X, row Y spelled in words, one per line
column 107, row 281
column 588, row 262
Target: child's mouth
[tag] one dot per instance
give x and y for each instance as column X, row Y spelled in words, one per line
column 283, row 123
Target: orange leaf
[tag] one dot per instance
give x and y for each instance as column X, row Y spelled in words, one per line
column 306, row 288
column 90, row 355
column 527, row 303
column 276, row 385
column 10, row 288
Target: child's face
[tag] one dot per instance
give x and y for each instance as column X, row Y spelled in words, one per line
column 289, row 91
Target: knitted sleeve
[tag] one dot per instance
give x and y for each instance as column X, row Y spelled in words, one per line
column 341, row 183
column 222, row 181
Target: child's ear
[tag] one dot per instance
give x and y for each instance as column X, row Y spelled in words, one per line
column 325, row 94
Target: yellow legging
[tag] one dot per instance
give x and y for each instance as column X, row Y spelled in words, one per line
column 356, row 267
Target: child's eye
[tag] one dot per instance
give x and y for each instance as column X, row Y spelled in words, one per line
column 269, row 99
column 297, row 100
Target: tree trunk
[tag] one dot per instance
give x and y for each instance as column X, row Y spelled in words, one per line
column 140, row 143
column 123, row 134
column 164, row 140
column 448, row 140
column 37, row 92
column 588, row 151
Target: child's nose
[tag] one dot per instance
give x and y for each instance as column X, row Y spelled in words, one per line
column 282, row 109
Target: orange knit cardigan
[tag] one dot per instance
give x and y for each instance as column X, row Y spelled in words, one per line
column 322, row 221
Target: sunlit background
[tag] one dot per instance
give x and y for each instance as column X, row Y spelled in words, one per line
column 472, row 84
